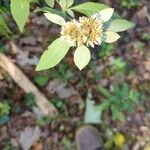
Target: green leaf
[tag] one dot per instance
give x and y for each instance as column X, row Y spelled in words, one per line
column 63, row 4
column 104, row 14
column 50, row 3
column 69, row 3
column 66, row 4
column 4, row 108
column 29, row 100
column 92, row 114
column 82, row 56
column 117, row 115
column 111, row 37
column 4, row 29
column 105, row 92
column 55, row 18
column 120, row 25
column 53, row 11
column 20, row 12
column 41, row 80
column 4, row 119
column 70, row 13
column 104, row 106
column 55, row 53
column 89, row 8
column 34, row 1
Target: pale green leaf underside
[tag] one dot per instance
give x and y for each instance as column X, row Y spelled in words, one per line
column 63, row 4
column 69, row 3
column 55, row 18
column 104, row 14
column 89, row 8
column 20, row 12
column 82, row 56
column 50, row 3
column 120, row 25
column 111, row 37
column 55, row 53
column 66, row 3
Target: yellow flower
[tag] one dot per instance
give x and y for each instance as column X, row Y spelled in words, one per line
column 147, row 147
column 119, row 140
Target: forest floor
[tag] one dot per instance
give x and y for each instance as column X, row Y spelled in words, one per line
column 68, row 89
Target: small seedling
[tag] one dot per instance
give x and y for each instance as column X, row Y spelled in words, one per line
column 58, row 103
column 4, row 113
column 119, row 66
column 4, row 108
column 122, row 98
column 29, row 100
column 106, row 50
column 43, row 121
column 41, row 80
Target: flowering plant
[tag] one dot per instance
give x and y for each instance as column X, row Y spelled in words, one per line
column 87, row 31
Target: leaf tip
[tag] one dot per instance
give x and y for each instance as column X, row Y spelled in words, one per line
column 38, row 68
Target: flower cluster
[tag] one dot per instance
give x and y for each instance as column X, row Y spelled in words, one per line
column 87, row 31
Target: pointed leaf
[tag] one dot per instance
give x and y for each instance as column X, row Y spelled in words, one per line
column 103, row 106
column 105, row 14
column 82, row 56
column 20, row 12
column 117, row 115
column 55, row 18
column 105, row 92
column 50, row 3
column 55, row 53
column 111, row 37
column 66, row 3
column 63, row 4
column 120, row 25
column 89, row 8
column 70, row 13
column 69, row 3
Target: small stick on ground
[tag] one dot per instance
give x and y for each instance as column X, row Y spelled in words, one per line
column 22, row 81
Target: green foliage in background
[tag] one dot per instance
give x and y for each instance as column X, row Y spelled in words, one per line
column 3, row 50
column 130, row 3
column 43, row 121
column 106, row 50
column 4, row 108
column 59, row 104
column 122, row 98
column 29, row 100
column 4, row 28
column 119, row 66
column 4, row 112
column 8, row 146
column 41, row 80
column 62, row 72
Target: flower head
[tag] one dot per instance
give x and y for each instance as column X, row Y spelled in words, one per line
column 70, row 32
column 86, row 31
column 91, row 30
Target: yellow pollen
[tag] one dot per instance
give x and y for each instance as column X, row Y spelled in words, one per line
column 87, row 31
